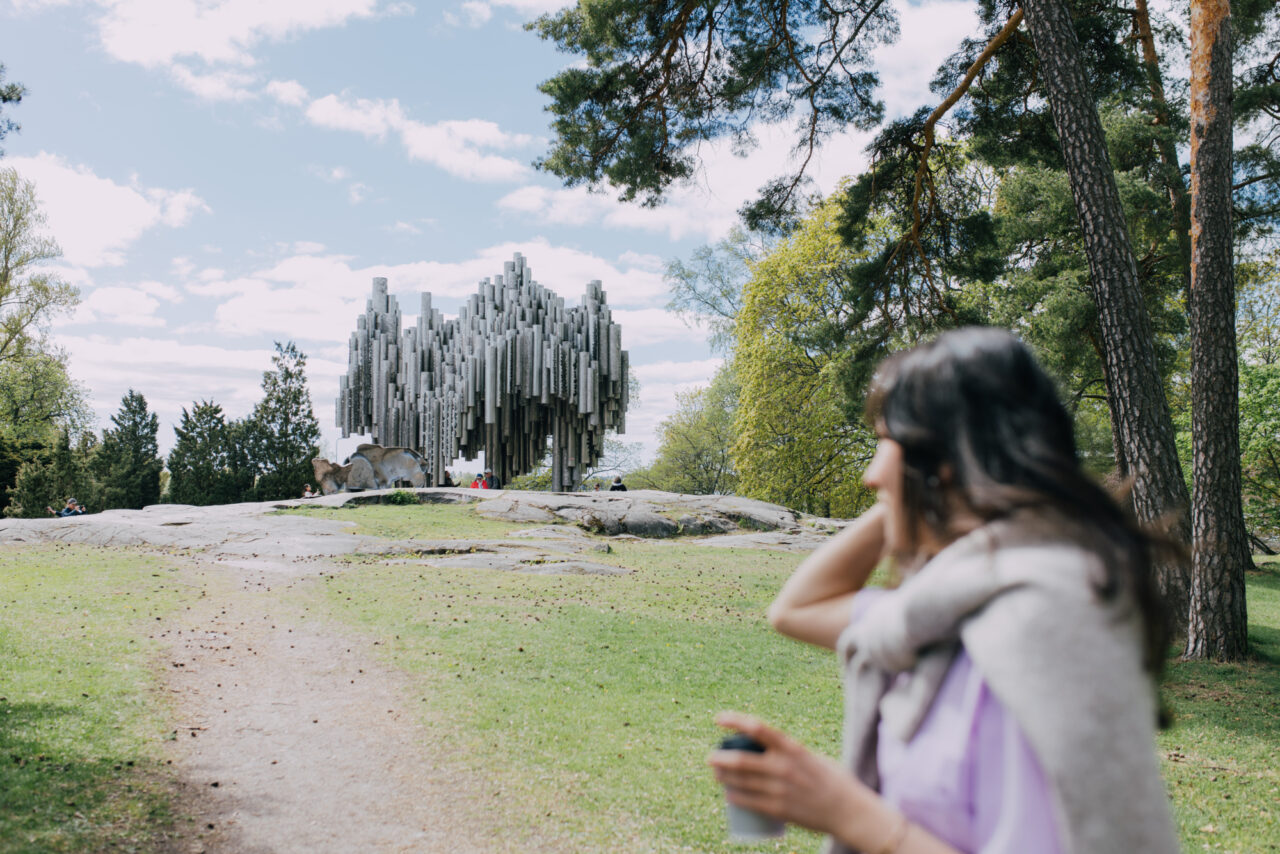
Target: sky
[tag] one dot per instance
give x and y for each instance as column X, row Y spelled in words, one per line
column 225, row 174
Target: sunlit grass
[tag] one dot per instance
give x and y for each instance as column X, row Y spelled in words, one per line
column 1222, row 756
column 80, row 721
column 421, row 521
column 589, row 700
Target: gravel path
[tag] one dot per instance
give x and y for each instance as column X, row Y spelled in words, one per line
column 293, row 739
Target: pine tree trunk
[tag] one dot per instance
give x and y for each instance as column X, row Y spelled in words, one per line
column 1136, row 392
column 1217, row 626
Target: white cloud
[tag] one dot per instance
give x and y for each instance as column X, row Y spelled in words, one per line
column 357, row 192
column 314, row 297
column 402, row 227
column 930, row 32
column 118, row 305
column 645, row 326
column 308, row 247
column 370, row 117
column 223, row 85
column 472, row 14
column 332, row 174
column 95, row 219
column 289, row 92
column 533, row 8
column 155, row 33
column 660, row 382
column 160, row 290
column 456, row 146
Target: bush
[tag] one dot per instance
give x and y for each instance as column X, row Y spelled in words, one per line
column 402, row 498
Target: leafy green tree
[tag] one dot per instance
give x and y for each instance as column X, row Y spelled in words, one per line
column 127, row 465
column 707, row 288
column 29, row 294
column 282, row 433
column 795, row 444
column 1260, row 449
column 694, row 442
column 208, row 465
column 1258, row 308
column 38, row 398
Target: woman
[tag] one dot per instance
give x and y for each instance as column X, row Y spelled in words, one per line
column 1001, row 699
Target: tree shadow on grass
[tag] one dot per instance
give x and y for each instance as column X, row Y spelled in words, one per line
column 54, row 799
column 1241, row 698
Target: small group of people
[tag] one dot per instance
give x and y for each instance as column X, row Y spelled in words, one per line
column 1002, row 698
column 488, row 480
column 71, row 508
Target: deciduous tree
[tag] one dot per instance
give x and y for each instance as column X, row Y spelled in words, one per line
column 29, row 293
column 795, row 443
column 694, row 442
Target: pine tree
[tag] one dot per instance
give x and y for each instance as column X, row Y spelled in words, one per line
column 282, row 433
column 127, row 465
column 207, row 464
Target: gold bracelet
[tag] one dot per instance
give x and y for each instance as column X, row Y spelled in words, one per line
column 896, row 837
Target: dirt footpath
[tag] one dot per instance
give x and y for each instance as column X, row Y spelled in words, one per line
column 293, row 739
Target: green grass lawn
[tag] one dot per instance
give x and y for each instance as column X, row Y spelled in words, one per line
column 588, row 701
column 1222, row 756
column 581, row 704
column 80, row 721
column 425, row 521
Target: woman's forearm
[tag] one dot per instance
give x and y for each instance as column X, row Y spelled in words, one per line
column 813, row 606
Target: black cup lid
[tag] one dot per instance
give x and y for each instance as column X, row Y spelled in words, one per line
column 741, row 741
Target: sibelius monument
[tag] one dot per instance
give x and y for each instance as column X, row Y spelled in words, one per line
column 515, row 368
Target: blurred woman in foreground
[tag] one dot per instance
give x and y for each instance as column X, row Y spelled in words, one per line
column 1002, row 699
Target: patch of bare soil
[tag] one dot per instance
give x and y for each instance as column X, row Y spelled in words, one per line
column 291, row 738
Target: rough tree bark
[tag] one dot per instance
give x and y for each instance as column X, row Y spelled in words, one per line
column 1135, row 392
column 1217, row 625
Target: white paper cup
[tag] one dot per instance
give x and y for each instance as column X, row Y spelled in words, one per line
column 748, row 826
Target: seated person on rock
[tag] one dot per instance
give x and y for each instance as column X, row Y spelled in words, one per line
column 71, row 509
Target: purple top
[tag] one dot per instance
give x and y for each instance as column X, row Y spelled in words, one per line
column 968, row 775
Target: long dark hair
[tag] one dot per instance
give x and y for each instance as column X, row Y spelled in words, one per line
column 984, row 436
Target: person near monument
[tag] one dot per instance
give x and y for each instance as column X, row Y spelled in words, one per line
column 617, row 485
column 477, row 482
column 490, row 479
column 1002, row 699
column 306, row 491
column 446, row 480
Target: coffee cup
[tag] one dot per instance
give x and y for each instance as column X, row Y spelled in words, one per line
column 747, row 825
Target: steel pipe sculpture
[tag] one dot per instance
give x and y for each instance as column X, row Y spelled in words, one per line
column 515, row 368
